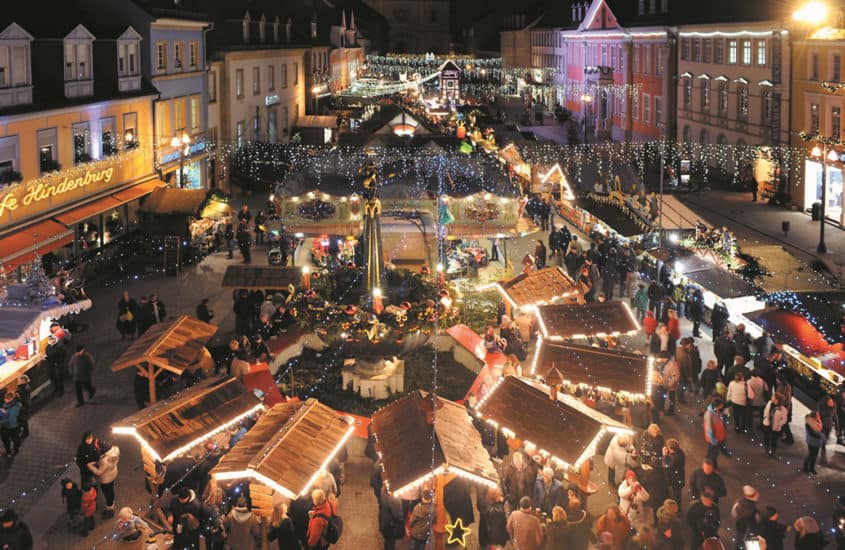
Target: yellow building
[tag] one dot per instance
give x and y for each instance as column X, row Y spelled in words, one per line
column 76, row 147
column 817, row 59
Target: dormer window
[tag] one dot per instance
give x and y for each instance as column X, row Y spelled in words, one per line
column 313, row 29
column 15, row 66
column 128, row 63
column 276, row 30
column 246, row 28
column 78, row 63
column 262, row 24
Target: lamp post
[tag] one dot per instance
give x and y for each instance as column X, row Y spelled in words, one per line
column 183, row 144
column 586, row 99
column 824, row 154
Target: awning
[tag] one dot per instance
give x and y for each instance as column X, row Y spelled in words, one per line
column 89, row 210
column 138, row 191
column 317, row 121
column 20, row 247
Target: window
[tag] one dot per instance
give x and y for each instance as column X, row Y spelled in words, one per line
column 196, row 114
column 814, row 66
column 179, row 123
column 836, row 68
column 240, row 133
column 271, row 77
column 284, row 121
column 704, row 137
column 108, row 144
column 637, row 59
column 80, row 133
column 732, row 52
column 14, row 65
column 239, row 83
column 261, row 29
column 256, row 80
column 708, row 50
column 48, row 150
column 163, row 123
column 8, row 154
column 660, row 63
column 687, row 94
column 284, row 76
column 193, row 54
column 177, row 55
column 272, row 130
column 705, row 95
column 130, row 133
column 658, row 110
column 77, row 60
column 761, row 53
column 647, row 59
column 766, row 105
column 696, row 49
column 723, row 99
column 685, row 49
column 127, row 60
column 635, row 106
column 746, row 52
column 720, row 50
column 161, row 56
column 742, row 102
column 835, row 122
column 641, row 10
column 646, row 108
column 212, row 87
column 613, row 56
column 814, row 118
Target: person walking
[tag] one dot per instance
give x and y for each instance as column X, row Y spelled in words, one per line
column 784, row 388
column 703, row 519
column 737, row 396
column 827, row 414
column 524, row 527
column 696, row 311
column 87, row 453
column 772, row 531
column 55, row 356
column 81, row 369
column 14, row 533
column 540, row 254
column 774, row 419
column 808, row 536
column 814, row 439
column 229, row 235
column 10, row 425
column 492, row 521
column 127, row 316
column 242, row 526
column 613, row 521
column 745, row 514
column 260, row 229
column 518, row 479
column 157, row 309
column 706, row 479
column 245, row 242
column 391, row 519
column 106, row 471
column 674, row 464
column 709, row 378
column 714, row 430
column 719, row 320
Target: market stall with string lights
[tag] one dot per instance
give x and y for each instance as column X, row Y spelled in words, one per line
column 179, row 425
column 173, row 347
column 528, row 290
column 559, row 322
column 561, row 427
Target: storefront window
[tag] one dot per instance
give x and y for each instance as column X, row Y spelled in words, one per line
column 192, row 174
column 813, row 188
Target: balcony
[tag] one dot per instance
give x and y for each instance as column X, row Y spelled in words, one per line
column 17, row 95
column 79, row 88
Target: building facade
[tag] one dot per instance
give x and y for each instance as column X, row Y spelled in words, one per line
column 415, row 26
column 76, row 137
column 817, row 58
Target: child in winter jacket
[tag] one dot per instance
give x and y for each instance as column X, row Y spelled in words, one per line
column 89, row 508
column 72, row 497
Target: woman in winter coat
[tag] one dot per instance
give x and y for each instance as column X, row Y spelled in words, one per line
column 618, row 456
column 737, row 396
column 282, row 529
column 242, row 527
column 492, row 520
column 106, row 471
column 774, row 419
column 127, row 316
column 632, row 499
column 615, row 523
column 807, row 534
column 814, row 439
column 557, row 530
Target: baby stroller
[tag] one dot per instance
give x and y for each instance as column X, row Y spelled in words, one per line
column 275, row 257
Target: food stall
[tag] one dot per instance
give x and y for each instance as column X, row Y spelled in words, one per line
column 595, row 319
column 561, row 427
column 527, row 290
column 575, row 367
column 550, row 183
column 169, row 347
column 179, row 425
column 283, row 453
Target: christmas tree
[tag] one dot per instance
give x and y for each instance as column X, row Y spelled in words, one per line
column 40, row 287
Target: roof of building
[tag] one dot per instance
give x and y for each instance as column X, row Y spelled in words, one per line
column 406, row 440
column 537, row 287
column 173, row 345
column 256, row 277
column 170, row 425
column 558, row 363
column 562, row 321
column 289, row 445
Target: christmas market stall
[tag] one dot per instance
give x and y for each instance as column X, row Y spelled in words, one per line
column 512, row 158
column 585, row 368
column 255, row 277
column 561, row 427
column 178, row 426
column 169, row 348
column 283, row 454
column 550, row 183
column 535, row 288
column 594, row 319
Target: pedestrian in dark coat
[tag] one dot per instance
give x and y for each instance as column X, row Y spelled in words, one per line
column 81, row 369
column 56, row 357
column 260, row 230
column 391, row 519
column 88, row 452
column 557, row 530
column 719, row 319
column 204, row 313
column 492, row 520
column 674, row 466
column 540, row 255
column 282, row 529
column 245, row 242
column 14, row 534
column 229, row 235
column 25, row 395
column 724, row 349
column 808, row 536
column 145, row 315
column 518, row 479
column 127, row 316
column 10, row 424
column 703, row 519
column 771, row 530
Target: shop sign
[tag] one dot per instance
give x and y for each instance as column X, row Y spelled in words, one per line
column 272, row 100
column 192, row 150
column 45, row 188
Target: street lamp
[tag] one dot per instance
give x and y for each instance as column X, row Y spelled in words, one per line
column 824, row 154
column 586, row 99
column 812, row 13
column 183, row 144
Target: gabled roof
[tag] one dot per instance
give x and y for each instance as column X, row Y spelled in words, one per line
column 538, row 287
column 564, row 321
column 171, row 345
column 15, row 32
column 129, row 34
column 256, row 277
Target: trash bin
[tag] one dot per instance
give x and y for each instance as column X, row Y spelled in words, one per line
column 816, row 211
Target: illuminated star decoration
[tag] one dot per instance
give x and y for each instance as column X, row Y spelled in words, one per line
column 458, row 533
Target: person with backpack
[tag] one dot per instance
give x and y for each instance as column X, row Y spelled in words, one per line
column 324, row 526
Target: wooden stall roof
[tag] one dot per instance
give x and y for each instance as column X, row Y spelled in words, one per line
column 537, row 287
column 168, row 200
column 564, row 427
column 405, row 441
column 617, row 370
column 288, row 444
column 561, row 321
column 255, row 277
column 172, row 345
column 169, row 425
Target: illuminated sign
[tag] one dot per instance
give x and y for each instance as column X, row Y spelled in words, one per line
column 44, row 189
column 192, row 150
column 272, row 100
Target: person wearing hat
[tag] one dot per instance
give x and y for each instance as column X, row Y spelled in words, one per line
column 242, row 526
column 632, row 499
column 55, row 355
column 669, row 515
column 703, row 519
column 524, row 527
column 745, row 513
column 14, row 534
column 419, row 525
column 10, row 424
